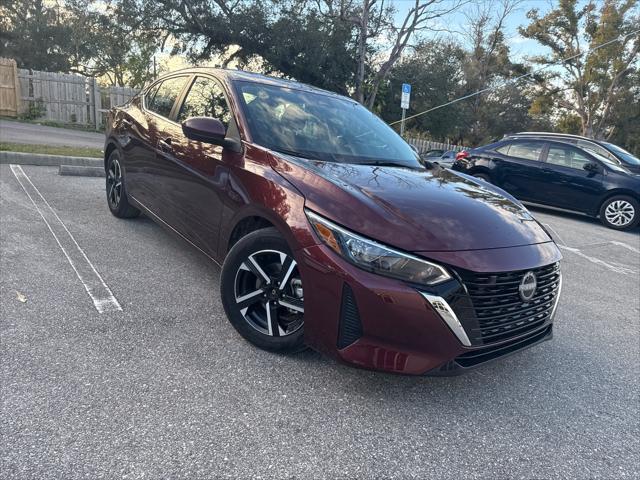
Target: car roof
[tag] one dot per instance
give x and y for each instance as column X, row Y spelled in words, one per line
column 241, row 75
column 553, row 141
column 551, row 135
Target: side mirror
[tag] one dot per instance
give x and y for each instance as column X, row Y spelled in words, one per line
column 591, row 167
column 209, row 130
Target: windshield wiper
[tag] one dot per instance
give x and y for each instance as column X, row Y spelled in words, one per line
column 382, row 163
column 293, row 153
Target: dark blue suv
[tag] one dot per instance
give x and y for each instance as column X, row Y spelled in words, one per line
column 559, row 175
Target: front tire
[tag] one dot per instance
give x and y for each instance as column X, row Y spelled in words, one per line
column 620, row 212
column 262, row 293
column 117, row 199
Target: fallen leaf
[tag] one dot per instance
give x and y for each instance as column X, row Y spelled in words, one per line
column 21, row 297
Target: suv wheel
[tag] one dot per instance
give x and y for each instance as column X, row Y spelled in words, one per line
column 116, row 194
column 262, row 293
column 620, row 212
column 482, row 176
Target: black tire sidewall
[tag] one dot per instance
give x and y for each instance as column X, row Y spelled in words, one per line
column 482, row 176
column 632, row 201
column 124, row 208
column 263, row 239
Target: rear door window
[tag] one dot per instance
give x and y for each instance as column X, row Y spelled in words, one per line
column 567, row 157
column 160, row 100
column 526, row 150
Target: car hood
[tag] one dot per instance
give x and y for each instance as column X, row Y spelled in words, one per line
column 415, row 210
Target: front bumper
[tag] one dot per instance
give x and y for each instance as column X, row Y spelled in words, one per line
column 384, row 324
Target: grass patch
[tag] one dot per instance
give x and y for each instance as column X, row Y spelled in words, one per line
column 51, row 123
column 52, row 150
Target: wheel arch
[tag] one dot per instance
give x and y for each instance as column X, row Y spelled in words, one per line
column 108, row 150
column 614, row 193
column 254, row 217
column 480, row 169
column 244, row 226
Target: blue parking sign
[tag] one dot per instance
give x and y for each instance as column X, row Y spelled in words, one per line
column 406, row 88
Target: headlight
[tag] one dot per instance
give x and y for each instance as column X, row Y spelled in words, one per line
column 374, row 257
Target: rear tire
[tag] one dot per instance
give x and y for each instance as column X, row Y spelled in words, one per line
column 117, row 199
column 483, row 176
column 262, row 293
column 620, row 212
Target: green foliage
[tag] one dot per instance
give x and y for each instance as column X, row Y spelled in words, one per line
column 587, row 86
column 35, row 109
column 37, row 34
column 80, row 36
column 434, row 71
column 569, row 123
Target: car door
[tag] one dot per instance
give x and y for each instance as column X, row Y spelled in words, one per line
column 146, row 176
column 517, row 168
column 567, row 183
column 199, row 171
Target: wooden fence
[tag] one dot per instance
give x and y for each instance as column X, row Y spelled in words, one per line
column 9, row 89
column 423, row 144
column 58, row 97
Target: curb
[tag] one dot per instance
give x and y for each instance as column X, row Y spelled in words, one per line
column 19, row 158
column 80, row 171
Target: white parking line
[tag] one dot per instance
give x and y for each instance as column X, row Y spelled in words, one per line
column 616, row 268
column 100, row 293
column 624, row 245
column 559, row 241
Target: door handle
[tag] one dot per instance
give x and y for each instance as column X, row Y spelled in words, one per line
column 165, row 145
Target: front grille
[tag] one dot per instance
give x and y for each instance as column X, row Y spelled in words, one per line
column 493, row 311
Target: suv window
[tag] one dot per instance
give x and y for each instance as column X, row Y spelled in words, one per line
column 504, row 149
column 160, row 100
column 593, row 147
column 526, row 150
column 566, row 157
column 205, row 99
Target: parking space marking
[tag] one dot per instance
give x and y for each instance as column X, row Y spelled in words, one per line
column 616, row 268
column 560, row 240
column 624, row 245
column 100, row 293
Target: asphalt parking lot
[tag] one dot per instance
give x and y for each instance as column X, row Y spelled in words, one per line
column 163, row 387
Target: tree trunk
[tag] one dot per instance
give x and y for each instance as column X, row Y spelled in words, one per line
column 361, row 54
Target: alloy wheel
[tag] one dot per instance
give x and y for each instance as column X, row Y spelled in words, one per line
column 268, row 293
column 619, row 213
column 114, row 183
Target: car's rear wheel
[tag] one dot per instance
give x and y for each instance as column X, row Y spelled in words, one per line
column 620, row 212
column 483, row 176
column 116, row 194
column 262, row 292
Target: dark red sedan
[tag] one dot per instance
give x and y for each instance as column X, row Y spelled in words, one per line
column 330, row 232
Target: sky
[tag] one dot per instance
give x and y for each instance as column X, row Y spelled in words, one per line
column 519, row 46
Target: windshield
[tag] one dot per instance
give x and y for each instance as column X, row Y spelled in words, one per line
column 321, row 127
column 621, row 153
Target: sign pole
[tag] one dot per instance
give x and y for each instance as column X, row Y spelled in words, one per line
column 404, row 104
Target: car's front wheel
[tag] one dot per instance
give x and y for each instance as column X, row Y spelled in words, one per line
column 262, row 293
column 620, row 212
column 116, row 194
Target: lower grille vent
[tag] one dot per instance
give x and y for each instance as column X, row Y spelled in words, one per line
column 350, row 327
